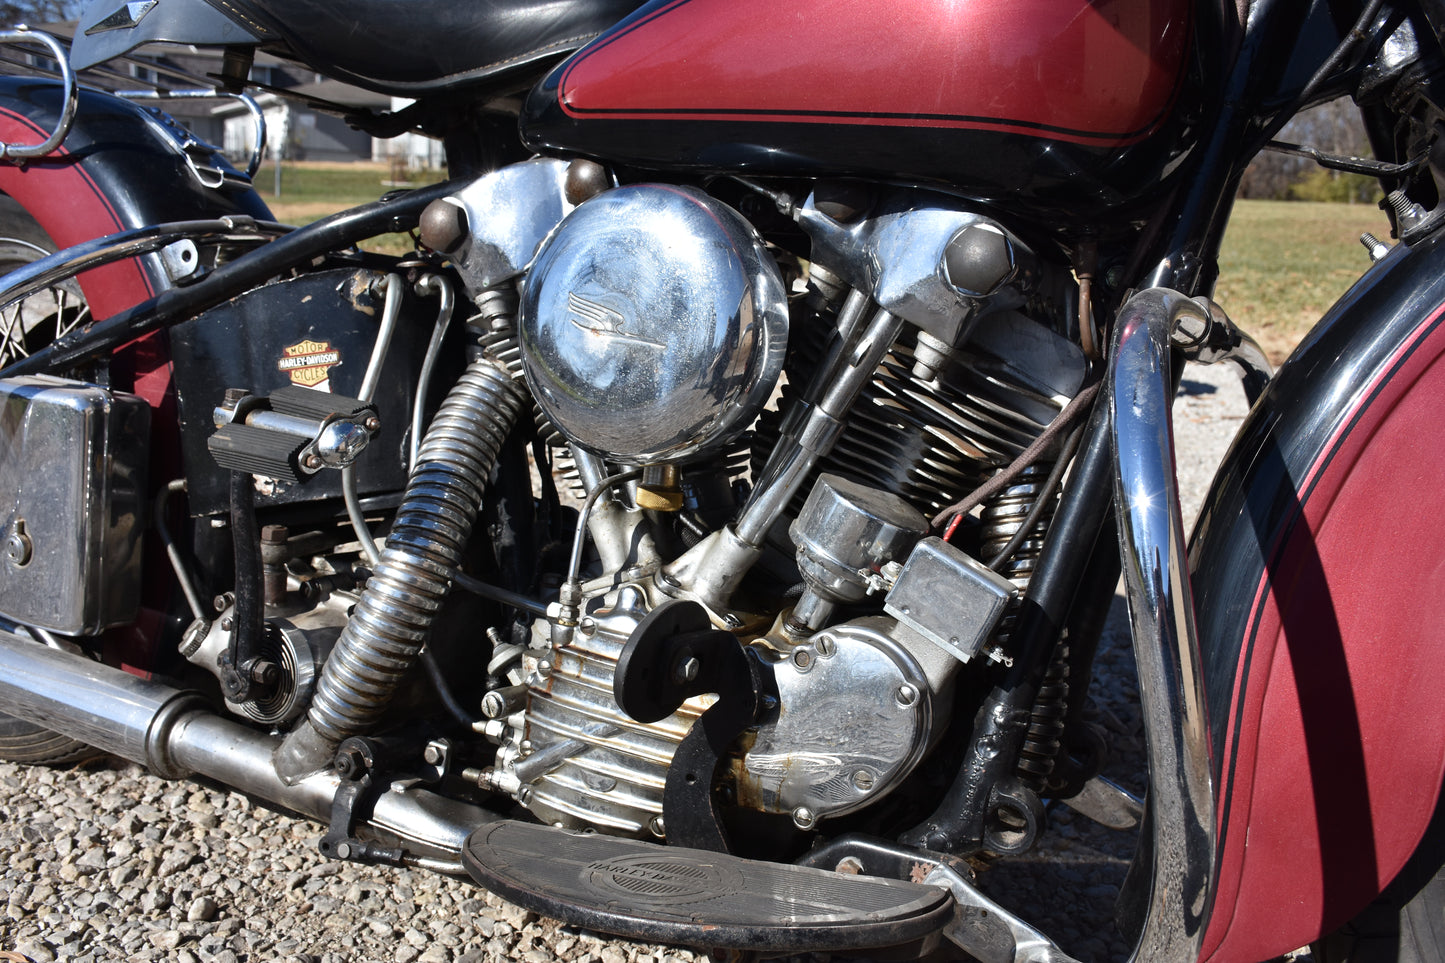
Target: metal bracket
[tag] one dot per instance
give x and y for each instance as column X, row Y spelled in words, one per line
column 355, row 763
column 981, row 927
column 672, row 655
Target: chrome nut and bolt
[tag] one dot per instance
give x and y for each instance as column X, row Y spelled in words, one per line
column 906, row 695
column 686, row 669
column 18, row 550
column 804, row 818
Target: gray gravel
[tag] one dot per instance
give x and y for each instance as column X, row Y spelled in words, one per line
column 105, row 862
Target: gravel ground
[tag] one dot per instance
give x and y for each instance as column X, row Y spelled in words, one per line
column 105, row 862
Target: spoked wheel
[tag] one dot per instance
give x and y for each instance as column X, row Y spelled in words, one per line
column 33, row 323
column 24, row 328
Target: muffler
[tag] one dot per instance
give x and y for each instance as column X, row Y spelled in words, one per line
column 175, row 734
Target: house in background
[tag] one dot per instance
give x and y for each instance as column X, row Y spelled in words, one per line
column 298, row 132
column 296, row 128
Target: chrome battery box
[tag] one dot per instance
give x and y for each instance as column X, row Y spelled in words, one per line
column 72, row 493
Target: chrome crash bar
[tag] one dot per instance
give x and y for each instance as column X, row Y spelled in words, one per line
column 1180, row 846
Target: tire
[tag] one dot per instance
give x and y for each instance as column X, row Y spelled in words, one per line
column 1406, row 923
column 23, row 330
column 1391, row 932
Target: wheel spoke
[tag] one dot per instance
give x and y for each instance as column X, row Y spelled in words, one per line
column 59, row 311
column 5, row 353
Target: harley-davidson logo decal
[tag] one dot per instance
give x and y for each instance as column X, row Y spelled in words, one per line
column 599, row 319
column 309, row 363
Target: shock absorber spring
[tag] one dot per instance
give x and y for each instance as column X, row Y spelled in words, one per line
column 1003, row 517
column 1006, row 513
column 382, row 640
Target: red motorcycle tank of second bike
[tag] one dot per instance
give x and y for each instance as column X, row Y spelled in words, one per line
column 1069, row 107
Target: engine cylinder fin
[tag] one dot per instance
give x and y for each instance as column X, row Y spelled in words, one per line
column 614, row 772
column 925, row 441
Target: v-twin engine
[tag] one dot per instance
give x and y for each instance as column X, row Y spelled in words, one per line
column 923, row 353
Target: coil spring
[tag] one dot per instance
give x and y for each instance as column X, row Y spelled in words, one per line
column 390, row 624
column 1005, row 513
column 1045, row 736
column 1002, row 517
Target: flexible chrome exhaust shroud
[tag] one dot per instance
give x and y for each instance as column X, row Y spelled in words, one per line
column 391, row 623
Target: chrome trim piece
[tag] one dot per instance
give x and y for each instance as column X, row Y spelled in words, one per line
column 58, row 53
column 897, row 254
column 509, row 213
column 1182, row 820
column 654, row 322
column 856, row 711
column 258, row 148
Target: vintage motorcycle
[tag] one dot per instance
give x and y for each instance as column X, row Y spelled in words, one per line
column 704, row 535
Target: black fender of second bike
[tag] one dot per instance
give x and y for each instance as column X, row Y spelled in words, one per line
column 1318, row 571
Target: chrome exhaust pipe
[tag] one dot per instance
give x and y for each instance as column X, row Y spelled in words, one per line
column 175, row 734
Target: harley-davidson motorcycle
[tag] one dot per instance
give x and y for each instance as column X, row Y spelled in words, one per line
column 705, row 533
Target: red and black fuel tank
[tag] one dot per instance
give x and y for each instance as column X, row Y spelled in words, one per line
column 1067, row 105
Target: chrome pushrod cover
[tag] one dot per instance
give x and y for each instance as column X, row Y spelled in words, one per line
column 1181, row 848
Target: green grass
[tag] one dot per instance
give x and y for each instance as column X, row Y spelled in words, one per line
column 310, row 191
column 1284, row 263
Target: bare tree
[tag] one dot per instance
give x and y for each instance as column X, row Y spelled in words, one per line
column 37, row 12
column 1333, row 127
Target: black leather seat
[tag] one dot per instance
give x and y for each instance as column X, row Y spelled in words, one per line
column 410, row 47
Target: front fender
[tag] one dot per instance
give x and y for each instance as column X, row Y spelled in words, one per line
column 1319, row 588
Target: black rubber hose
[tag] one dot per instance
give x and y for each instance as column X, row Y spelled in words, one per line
column 234, row 278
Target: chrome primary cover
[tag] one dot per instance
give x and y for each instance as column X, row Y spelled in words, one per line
column 654, row 324
column 857, row 713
